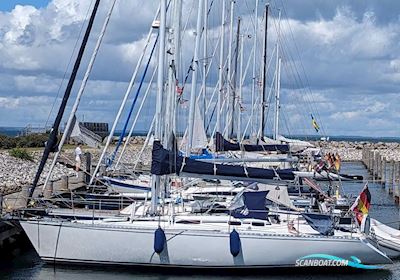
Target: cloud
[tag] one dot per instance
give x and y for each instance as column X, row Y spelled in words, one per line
column 9, row 103
column 340, row 61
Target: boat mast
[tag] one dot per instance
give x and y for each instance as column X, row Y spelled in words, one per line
column 221, row 70
column 195, row 67
column 239, row 113
column 253, row 87
column 51, row 144
column 173, row 40
column 177, row 54
column 155, row 182
column 234, row 82
column 277, row 81
column 264, row 81
column 80, row 92
column 205, row 59
column 122, row 106
column 229, row 72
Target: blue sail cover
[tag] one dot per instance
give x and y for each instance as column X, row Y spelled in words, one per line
column 320, row 222
column 221, row 145
column 205, row 154
column 168, row 162
column 252, row 206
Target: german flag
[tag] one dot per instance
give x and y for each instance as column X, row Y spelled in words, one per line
column 361, row 206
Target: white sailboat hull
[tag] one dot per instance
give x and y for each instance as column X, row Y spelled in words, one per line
column 128, row 185
column 127, row 244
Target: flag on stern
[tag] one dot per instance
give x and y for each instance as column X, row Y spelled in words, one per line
column 361, row 206
column 314, row 123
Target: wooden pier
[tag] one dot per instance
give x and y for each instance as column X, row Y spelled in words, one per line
column 383, row 171
column 9, row 229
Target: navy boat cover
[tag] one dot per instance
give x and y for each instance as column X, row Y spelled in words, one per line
column 320, row 222
column 250, row 205
column 169, row 162
column 221, row 145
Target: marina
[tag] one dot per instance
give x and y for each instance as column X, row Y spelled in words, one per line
column 221, row 182
column 25, row 262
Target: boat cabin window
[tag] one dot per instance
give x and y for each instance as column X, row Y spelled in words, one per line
column 188, row 222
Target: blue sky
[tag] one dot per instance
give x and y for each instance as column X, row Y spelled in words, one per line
column 340, row 61
column 8, row 5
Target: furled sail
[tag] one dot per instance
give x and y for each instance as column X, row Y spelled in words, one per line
column 221, row 144
column 199, row 139
column 295, row 144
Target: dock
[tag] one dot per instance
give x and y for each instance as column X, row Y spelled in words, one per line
column 383, row 171
column 9, row 228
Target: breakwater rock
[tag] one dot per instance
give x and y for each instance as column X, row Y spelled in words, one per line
column 352, row 151
column 16, row 173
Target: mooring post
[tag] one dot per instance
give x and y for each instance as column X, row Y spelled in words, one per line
column 1, row 204
column 395, row 183
column 48, row 191
column 383, row 174
column 64, row 183
column 379, row 167
column 371, row 161
column 374, row 166
column 25, row 194
column 363, row 156
column 88, row 167
column 390, row 178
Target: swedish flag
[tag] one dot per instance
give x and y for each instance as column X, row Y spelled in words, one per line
column 314, row 123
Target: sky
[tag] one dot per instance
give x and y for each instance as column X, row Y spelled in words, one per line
column 340, row 61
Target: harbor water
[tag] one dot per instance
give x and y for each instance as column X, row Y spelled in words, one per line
column 23, row 263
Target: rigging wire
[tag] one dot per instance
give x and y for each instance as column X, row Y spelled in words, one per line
column 69, row 63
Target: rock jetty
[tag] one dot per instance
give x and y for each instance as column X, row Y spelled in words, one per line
column 352, row 151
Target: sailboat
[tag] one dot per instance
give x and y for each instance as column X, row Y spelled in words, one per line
column 166, row 233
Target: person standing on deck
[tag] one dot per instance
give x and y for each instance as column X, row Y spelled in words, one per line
column 78, row 155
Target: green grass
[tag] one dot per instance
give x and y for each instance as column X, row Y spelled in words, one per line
column 21, row 154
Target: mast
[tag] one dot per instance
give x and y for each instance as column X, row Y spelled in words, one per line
column 239, row 122
column 177, row 54
column 80, row 92
column 51, row 144
column 234, row 81
column 229, row 74
column 264, row 82
column 205, row 59
column 155, row 182
column 221, row 70
column 253, row 87
column 195, row 67
column 277, row 81
column 121, row 108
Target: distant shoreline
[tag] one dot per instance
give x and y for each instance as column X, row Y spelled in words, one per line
column 15, row 131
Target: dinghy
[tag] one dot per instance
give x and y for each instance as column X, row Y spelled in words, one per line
column 387, row 238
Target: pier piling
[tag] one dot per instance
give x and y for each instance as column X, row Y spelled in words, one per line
column 48, row 191
column 383, row 170
column 88, row 167
column 64, row 183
